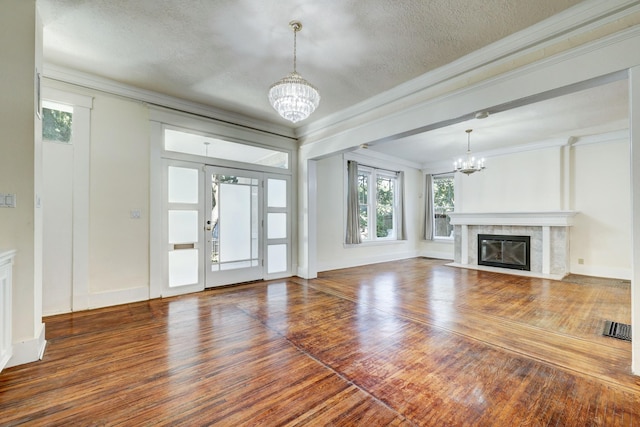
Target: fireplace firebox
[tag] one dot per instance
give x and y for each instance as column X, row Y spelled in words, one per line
column 505, row 251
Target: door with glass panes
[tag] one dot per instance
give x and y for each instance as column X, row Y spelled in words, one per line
column 224, row 226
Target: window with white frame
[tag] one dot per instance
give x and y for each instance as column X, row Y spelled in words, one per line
column 378, row 202
column 443, row 204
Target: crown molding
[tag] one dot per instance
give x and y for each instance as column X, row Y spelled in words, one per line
column 102, row 84
column 614, row 136
column 382, row 159
column 571, row 23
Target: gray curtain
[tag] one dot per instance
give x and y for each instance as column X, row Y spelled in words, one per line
column 353, row 204
column 428, row 207
column 402, row 230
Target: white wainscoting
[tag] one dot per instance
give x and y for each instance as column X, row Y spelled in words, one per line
column 6, row 271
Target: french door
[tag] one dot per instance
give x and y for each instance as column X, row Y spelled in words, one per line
column 233, row 226
column 223, row 226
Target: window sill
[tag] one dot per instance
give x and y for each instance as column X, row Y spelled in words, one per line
column 449, row 240
column 374, row 243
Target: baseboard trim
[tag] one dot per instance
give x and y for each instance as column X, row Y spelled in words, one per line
column 358, row 262
column 599, row 271
column 121, row 296
column 437, row 255
column 28, row 351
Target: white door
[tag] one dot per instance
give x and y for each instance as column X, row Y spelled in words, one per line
column 233, row 226
column 182, row 225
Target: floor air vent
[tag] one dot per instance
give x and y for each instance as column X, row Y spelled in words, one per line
column 622, row 331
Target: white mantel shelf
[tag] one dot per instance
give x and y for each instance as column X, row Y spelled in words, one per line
column 536, row 219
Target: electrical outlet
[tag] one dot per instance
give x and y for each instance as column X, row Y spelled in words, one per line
column 580, row 260
column 135, row 214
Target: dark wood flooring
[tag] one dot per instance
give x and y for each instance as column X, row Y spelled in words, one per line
column 409, row 343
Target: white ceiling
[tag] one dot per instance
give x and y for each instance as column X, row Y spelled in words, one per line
column 226, row 53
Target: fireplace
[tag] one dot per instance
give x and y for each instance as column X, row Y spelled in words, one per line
column 504, row 251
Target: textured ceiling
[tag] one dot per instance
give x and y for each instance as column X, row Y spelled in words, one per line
column 226, row 53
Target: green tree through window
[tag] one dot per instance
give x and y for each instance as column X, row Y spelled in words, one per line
column 56, row 125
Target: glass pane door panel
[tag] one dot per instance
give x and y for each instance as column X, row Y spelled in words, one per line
column 277, row 193
column 183, row 226
column 235, row 228
column 183, row 185
column 277, row 256
column 183, row 267
column 277, row 226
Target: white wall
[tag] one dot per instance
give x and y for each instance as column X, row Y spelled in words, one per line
column 600, row 191
column 20, row 160
column 527, row 181
column 119, row 183
column 331, row 199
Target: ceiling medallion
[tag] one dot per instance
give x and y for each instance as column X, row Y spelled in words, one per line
column 469, row 165
column 293, row 97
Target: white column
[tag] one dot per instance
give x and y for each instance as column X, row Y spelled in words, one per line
column 546, row 250
column 634, row 124
column 464, row 244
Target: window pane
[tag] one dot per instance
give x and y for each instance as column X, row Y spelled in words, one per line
column 443, row 203
column 183, row 185
column 183, row 227
column 363, row 189
column 385, row 194
column 183, row 267
column 189, row 143
column 56, row 122
column 235, row 226
column 277, row 193
column 277, row 225
column 277, row 258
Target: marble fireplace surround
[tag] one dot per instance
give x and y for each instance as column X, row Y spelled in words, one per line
column 549, row 232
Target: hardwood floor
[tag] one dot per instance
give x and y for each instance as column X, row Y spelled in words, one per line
column 410, row 343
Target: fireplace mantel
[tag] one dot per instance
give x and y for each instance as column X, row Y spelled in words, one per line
column 534, row 219
column 548, row 231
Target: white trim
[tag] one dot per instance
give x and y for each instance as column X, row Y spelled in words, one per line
column 64, row 97
column 30, row 350
column 601, row 271
column 102, row 84
column 551, row 218
column 437, row 255
column 357, row 262
column 634, row 154
column 117, row 297
column 620, row 135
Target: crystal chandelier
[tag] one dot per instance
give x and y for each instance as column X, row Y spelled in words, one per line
column 293, row 97
column 469, row 165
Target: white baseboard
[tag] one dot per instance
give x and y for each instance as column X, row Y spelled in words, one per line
column 357, row 262
column 600, row 271
column 121, row 296
column 437, row 255
column 28, row 351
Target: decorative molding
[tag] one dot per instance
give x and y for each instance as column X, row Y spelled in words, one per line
column 571, row 23
column 102, row 84
column 536, row 219
column 602, row 138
